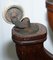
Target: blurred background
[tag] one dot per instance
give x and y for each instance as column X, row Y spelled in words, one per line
column 36, row 11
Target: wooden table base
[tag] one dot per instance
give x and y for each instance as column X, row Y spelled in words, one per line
column 49, row 6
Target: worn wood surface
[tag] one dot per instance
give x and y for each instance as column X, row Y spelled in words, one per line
column 30, row 46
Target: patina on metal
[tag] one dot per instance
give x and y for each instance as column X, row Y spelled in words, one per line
column 15, row 15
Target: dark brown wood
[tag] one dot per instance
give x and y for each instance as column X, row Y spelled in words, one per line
column 49, row 6
column 30, row 46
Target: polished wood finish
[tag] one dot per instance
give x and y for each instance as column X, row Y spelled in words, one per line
column 49, row 6
column 30, row 46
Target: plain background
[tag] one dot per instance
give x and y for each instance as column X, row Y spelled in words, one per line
column 36, row 11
